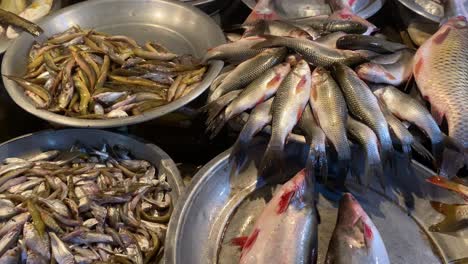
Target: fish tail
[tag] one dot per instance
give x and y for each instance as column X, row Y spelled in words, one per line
column 317, row 160
column 343, row 169
column 214, row 108
column 210, row 55
column 272, row 162
column 217, row 124
column 450, row 223
column 437, row 151
column 374, row 170
column 270, row 41
column 238, row 154
column 421, row 150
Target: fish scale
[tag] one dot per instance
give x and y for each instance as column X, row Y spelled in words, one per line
column 441, row 73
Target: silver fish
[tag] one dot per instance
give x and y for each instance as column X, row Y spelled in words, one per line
column 363, row 105
column 258, row 119
column 248, row 71
column 256, row 92
column 34, row 242
column 16, row 222
column 60, row 250
column 234, row 52
column 287, row 107
column 9, row 239
column 355, row 239
column 12, row 256
column 329, row 106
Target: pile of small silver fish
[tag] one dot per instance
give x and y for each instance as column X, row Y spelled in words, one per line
column 83, row 205
column 88, row 74
column 328, row 79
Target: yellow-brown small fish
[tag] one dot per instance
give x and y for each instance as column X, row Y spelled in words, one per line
column 456, row 217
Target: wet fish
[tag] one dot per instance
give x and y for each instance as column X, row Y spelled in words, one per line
column 314, row 53
column 35, row 11
column 9, row 239
column 329, row 108
column 11, row 19
column 361, row 42
column 288, row 224
column 213, row 108
column 368, row 141
column 347, row 14
column 409, row 109
column 287, row 107
column 329, row 40
column 355, row 238
column 258, row 119
column 256, row 92
column 440, row 67
column 60, row 250
column 395, row 74
column 11, row 256
column 248, row 71
column 14, row 223
column 456, row 187
column 325, row 24
column 279, row 28
column 316, row 139
column 363, row 105
column 234, row 52
column 34, row 242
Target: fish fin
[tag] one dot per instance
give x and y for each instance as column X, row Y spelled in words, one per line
column 263, row 10
column 214, row 108
column 366, row 230
column 217, row 124
column 238, row 154
column 409, row 82
column 317, row 159
column 421, row 150
column 450, row 222
column 374, row 170
column 239, row 241
column 272, row 162
column 446, row 184
column 270, row 41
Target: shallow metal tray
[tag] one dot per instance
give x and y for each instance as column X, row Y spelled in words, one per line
column 179, row 26
column 34, row 143
column 215, row 209
column 285, row 8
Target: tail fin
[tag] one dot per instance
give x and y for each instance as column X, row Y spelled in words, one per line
column 215, row 107
column 343, row 169
column 317, row 160
column 238, row 155
column 217, row 124
column 374, row 170
column 262, row 10
column 421, row 150
column 450, row 223
column 269, row 42
column 437, row 151
column 272, row 162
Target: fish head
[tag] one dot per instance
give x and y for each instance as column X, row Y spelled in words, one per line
column 350, row 211
column 302, row 68
column 282, row 69
column 459, row 22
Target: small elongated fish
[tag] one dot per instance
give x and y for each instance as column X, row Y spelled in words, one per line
column 258, row 119
column 347, row 14
column 35, row 11
column 286, row 230
column 279, row 28
column 289, row 103
column 456, row 217
column 314, row 53
column 256, row 92
column 456, row 187
column 355, row 239
column 9, row 239
column 248, row 71
column 11, row 19
column 12, row 256
column 60, row 250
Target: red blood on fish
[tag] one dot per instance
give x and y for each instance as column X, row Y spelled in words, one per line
column 284, row 201
column 239, row 241
column 345, row 16
column 301, row 85
column 368, row 232
column 351, row 2
column 274, row 82
column 251, row 240
column 418, row 67
column 441, row 37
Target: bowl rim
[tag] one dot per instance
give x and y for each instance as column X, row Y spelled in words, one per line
column 16, row 92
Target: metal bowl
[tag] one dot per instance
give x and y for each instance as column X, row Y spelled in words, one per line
column 34, row 143
column 302, row 8
column 5, row 42
column 178, row 26
column 215, row 209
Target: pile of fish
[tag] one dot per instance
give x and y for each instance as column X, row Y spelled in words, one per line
column 88, row 74
column 17, row 15
column 83, row 205
column 287, row 230
column 335, row 83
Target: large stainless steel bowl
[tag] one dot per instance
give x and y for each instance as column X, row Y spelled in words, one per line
column 34, row 143
column 217, row 208
column 178, row 26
